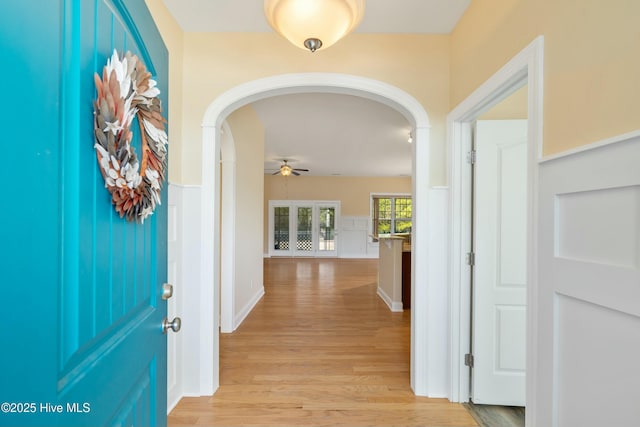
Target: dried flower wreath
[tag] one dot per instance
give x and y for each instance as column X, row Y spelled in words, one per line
column 126, row 91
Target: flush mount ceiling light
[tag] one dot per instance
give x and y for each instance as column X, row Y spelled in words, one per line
column 314, row 24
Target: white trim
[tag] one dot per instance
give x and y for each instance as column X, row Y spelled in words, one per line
column 525, row 66
column 244, row 312
column 228, row 230
column 357, row 256
column 598, row 144
column 283, row 84
column 187, row 186
column 175, row 345
column 209, row 262
column 420, row 363
column 393, row 306
column 209, row 265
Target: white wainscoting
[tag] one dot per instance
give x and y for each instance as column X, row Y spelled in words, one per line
column 589, row 286
column 184, row 244
column 390, row 281
column 174, row 271
column 354, row 238
column 438, row 348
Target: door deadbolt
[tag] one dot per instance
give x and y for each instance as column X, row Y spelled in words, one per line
column 167, row 291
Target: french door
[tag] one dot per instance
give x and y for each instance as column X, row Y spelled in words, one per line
column 303, row 228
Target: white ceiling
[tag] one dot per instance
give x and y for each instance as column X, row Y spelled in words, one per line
column 381, row 16
column 329, row 134
column 332, row 134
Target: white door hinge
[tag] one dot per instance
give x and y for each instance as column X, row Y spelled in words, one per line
column 468, row 360
column 471, row 258
column 471, row 157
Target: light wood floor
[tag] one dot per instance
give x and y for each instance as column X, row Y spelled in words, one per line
column 320, row 349
column 497, row 416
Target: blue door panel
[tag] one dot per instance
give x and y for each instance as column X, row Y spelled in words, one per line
column 29, row 223
column 84, row 284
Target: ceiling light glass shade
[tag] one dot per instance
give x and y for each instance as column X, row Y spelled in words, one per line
column 285, row 170
column 304, row 22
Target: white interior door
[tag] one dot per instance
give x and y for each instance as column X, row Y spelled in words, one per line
column 499, row 289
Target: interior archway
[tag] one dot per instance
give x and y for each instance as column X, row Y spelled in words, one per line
column 211, row 205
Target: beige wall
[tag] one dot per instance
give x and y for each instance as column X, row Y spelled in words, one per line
column 591, row 61
column 215, row 63
column 512, row 107
column 352, row 192
column 591, row 69
column 172, row 36
column 248, row 141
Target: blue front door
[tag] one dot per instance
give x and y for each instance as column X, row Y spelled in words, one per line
column 82, row 342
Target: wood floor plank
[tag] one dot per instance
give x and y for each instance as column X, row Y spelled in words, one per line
column 497, row 416
column 320, row 349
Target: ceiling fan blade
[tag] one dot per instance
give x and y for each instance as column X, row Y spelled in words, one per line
column 302, row 170
column 275, row 173
column 295, row 173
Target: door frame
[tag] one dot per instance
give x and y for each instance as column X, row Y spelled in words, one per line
column 525, row 67
column 208, row 264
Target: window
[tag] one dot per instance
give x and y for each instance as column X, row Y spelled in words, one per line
column 390, row 215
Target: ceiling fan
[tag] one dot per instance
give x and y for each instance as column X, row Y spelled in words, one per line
column 286, row 170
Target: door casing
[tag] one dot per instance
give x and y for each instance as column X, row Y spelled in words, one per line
column 526, row 66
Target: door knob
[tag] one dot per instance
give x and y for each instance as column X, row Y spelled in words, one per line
column 167, row 291
column 174, row 325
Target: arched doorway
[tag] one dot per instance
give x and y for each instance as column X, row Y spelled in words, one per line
column 210, row 230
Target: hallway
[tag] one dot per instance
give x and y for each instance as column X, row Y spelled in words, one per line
column 320, row 349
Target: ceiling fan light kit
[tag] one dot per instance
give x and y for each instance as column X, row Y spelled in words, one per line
column 286, row 170
column 314, row 24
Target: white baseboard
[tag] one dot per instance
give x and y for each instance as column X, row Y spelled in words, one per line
column 393, row 306
column 244, row 312
column 173, row 403
column 358, row 256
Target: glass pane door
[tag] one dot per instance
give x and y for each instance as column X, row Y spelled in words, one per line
column 304, row 232
column 281, row 228
column 327, row 235
column 303, row 228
